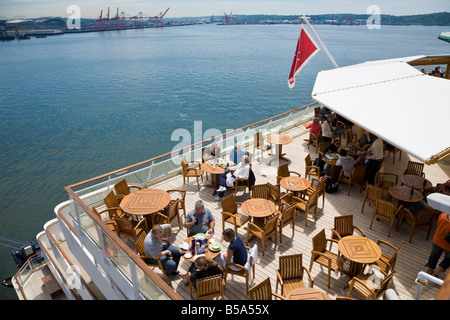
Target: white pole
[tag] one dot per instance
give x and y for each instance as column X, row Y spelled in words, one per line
column 320, row 41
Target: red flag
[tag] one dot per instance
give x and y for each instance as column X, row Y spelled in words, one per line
column 306, row 49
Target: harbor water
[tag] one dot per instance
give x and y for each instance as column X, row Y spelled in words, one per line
column 75, row 106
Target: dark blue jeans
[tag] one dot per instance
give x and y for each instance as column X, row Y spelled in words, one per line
column 170, row 264
column 436, row 253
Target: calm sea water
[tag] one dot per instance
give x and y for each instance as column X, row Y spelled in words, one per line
column 76, row 106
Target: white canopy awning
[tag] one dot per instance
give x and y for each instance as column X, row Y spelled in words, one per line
column 394, row 101
column 439, row 201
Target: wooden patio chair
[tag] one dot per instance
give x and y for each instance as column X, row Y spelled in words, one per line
column 141, row 253
column 287, row 217
column 320, row 188
column 191, row 171
column 283, row 172
column 421, row 219
column 109, row 222
column 181, row 199
column 322, row 256
column 389, row 254
column 386, row 180
column 130, row 229
column 323, row 146
column 311, row 170
column 123, row 188
column 368, row 288
column 236, row 269
column 258, row 144
column 307, row 205
column 290, row 274
column 113, row 204
column 316, row 139
column 343, row 226
column 241, row 183
column 209, row 288
column 371, row 195
column 385, row 210
column 263, row 291
column 168, row 215
column 260, row 191
column 265, row 232
column 391, row 149
column 414, row 168
column 230, row 213
column 356, row 176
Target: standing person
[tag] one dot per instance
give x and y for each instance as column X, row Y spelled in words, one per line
column 373, row 159
column 153, row 246
column 237, row 252
column 327, row 129
column 441, row 244
column 200, row 220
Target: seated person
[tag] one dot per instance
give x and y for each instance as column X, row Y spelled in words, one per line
column 200, row 220
column 419, row 206
column 323, row 113
column 212, row 152
column 236, row 154
column 334, row 147
column 362, row 144
column 237, row 252
column 153, row 246
column 202, row 268
column 347, row 162
column 241, row 171
column 443, row 187
column 315, row 128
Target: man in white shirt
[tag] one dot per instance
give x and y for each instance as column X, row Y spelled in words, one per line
column 375, row 154
column 327, row 128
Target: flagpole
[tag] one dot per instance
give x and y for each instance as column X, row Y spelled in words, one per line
column 320, row 42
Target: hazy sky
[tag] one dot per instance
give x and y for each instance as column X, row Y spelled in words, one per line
column 192, row 8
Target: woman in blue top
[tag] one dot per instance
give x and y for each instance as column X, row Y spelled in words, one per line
column 237, row 252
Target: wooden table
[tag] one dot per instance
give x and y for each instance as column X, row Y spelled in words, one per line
column 403, row 194
column 307, row 294
column 258, row 209
column 208, row 253
column 145, row 202
column 279, row 140
column 295, row 184
column 415, row 182
column 215, row 172
column 359, row 250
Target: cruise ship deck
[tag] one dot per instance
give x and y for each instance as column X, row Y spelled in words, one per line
column 411, row 259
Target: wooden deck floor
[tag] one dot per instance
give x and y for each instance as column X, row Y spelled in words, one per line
column 411, row 259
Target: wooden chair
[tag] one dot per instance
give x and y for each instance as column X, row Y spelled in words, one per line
column 240, row 183
column 109, row 222
column 343, row 226
column 339, row 298
column 316, row 139
column 357, row 176
column 260, row 191
column 371, row 195
column 208, row 288
column 311, row 170
column 230, row 213
column 193, row 171
column 182, row 199
column 265, row 232
column 275, row 196
column 414, row 168
column 391, row 149
column 421, row 219
column 141, row 253
column 258, row 144
column 113, row 204
column 385, row 210
column 386, row 180
column 320, row 188
column 322, row 256
column 340, row 129
column 286, row 218
column 123, row 188
column 283, row 172
column 368, row 288
column 236, row 269
column 263, row 291
column 130, row 229
column 323, row 146
column 290, row 274
column 389, row 254
column 308, row 205
column 168, row 215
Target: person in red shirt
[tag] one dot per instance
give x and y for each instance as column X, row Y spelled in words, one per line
column 441, row 244
column 315, row 128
